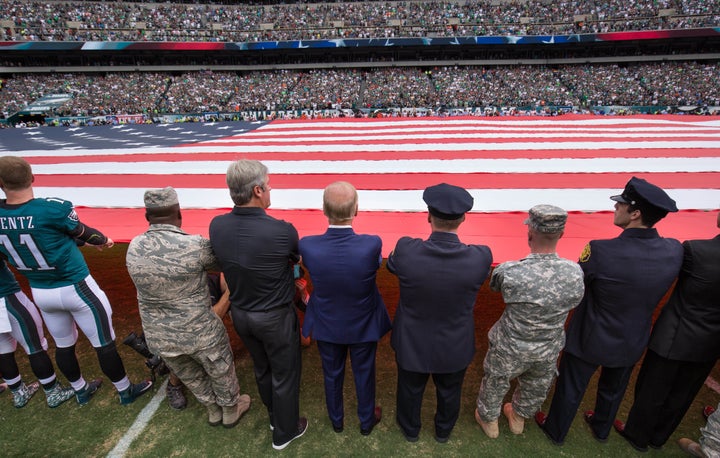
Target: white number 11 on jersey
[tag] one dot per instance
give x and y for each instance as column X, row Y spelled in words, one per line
column 27, row 240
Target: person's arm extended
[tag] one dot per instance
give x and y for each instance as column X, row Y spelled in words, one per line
column 91, row 236
column 222, row 306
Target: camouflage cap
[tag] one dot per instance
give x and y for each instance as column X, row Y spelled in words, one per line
column 161, row 198
column 548, row 219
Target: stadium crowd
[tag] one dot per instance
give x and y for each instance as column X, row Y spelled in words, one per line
column 121, row 21
column 586, row 86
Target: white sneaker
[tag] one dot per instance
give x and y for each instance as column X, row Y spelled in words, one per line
column 302, row 427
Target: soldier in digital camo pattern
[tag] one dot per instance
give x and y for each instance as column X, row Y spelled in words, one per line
column 538, row 291
column 169, row 269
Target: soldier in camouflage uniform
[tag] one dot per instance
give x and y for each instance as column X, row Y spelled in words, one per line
column 538, row 291
column 169, row 269
column 709, row 443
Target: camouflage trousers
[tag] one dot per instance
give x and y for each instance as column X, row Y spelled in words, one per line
column 534, row 379
column 209, row 374
column 710, row 435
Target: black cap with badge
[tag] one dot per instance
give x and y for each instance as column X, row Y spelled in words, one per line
column 446, row 201
column 642, row 194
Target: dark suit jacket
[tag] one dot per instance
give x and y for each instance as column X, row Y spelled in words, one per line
column 688, row 328
column 434, row 328
column 345, row 306
column 625, row 278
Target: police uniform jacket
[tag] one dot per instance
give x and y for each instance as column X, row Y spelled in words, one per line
column 434, row 329
column 625, row 279
column 688, row 328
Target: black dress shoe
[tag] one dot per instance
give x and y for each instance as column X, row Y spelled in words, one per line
column 442, row 439
column 540, row 419
column 338, row 428
column 588, row 415
column 407, row 437
column 376, row 420
column 620, row 428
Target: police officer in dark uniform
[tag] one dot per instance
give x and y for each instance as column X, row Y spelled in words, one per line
column 684, row 347
column 625, row 279
column 434, row 330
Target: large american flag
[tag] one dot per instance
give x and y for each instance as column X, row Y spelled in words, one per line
column 507, row 164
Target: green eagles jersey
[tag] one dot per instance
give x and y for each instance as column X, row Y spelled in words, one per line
column 8, row 284
column 34, row 237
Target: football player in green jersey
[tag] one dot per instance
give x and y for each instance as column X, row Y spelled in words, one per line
column 21, row 317
column 40, row 238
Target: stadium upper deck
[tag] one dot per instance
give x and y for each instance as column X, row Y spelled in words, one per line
column 196, row 57
column 177, row 21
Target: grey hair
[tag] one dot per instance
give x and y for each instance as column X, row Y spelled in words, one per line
column 242, row 176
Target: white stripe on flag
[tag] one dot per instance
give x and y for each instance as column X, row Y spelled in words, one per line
column 246, row 146
column 486, row 200
column 556, row 165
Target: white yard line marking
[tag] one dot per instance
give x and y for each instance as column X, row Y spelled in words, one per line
column 139, row 425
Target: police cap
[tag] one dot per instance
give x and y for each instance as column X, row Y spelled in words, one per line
column 446, row 201
column 640, row 193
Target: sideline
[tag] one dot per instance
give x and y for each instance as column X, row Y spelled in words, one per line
column 140, row 423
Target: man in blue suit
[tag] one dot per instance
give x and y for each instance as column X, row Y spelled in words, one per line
column 434, row 328
column 346, row 312
column 625, row 278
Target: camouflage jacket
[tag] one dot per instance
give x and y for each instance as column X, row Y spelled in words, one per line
column 538, row 291
column 169, row 269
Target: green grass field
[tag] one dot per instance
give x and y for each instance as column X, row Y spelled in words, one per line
column 95, row 430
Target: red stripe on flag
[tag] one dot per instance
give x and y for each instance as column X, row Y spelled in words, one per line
column 400, row 181
column 171, row 156
column 503, row 232
column 393, row 140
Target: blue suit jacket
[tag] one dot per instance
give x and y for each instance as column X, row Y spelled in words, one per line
column 625, row 278
column 434, row 327
column 345, row 306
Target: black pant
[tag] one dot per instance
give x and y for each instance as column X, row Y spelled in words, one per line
column 664, row 391
column 273, row 341
column 575, row 373
column 410, row 390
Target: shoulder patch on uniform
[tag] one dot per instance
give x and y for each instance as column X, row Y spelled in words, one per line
column 585, row 255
